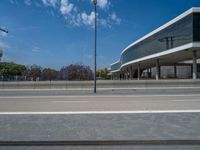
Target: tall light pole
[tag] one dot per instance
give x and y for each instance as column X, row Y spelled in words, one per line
column 3, row 30
column 1, row 51
column 95, row 44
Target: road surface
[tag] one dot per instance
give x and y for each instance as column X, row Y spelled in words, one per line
column 121, row 100
column 155, row 116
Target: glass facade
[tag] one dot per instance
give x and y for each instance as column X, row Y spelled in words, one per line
column 196, row 27
column 184, row 31
column 116, row 66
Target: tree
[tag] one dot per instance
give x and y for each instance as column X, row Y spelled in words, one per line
column 76, row 72
column 103, row 73
column 49, row 74
column 11, row 70
column 34, row 72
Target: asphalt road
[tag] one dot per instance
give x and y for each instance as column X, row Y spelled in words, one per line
column 152, row 115
column 105, row 100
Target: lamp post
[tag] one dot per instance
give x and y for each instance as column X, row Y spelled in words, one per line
column 3, row 30
column 1, row 51
column 95, row 43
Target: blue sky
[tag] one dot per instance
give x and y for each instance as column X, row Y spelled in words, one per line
column 56, row 33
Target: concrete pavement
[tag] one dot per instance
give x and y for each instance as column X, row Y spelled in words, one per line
column 101, row 127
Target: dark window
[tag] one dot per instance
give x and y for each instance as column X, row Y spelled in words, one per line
column 196, row 25
column 116, row 66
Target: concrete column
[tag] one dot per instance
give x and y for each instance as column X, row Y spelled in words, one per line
column 157, row 69
column 175, row 72
column 194, row 68
column 130, row 73
column 127, row 72
column 150, row 72
column 139, row 72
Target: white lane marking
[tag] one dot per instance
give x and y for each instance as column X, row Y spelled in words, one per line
column 98, row 96
column 69, row 101
column 160, row 101
column 103, row 112
column 186, row 100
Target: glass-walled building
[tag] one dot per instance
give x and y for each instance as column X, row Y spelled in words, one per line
column 171, row 44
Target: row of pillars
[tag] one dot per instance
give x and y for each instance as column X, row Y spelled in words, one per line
column 128, row 73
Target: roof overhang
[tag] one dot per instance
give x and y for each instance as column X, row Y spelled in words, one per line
column 170, row 56
column 190, row 11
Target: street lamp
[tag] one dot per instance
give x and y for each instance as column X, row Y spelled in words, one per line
column 3, row 30
column 1, row 51
column 1, row 54
column 95, row 44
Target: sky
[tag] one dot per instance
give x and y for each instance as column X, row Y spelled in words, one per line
column 56, row 33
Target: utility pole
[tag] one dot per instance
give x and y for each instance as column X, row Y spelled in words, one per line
column 1, row 54
column 3, row 30
column 1, row 51
column 95, row 44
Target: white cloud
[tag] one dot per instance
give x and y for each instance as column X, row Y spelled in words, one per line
column 77, row 16
column 36, row 49
column 102, row 4
column 110, row 20
column 115, row 18
column 12, row 1
column 88, row 19
column 50, row 2
column 65, row 7
column 70, row 13
column 104, row 22
column 3, row 34
column 28, row 2
column 4, row 45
